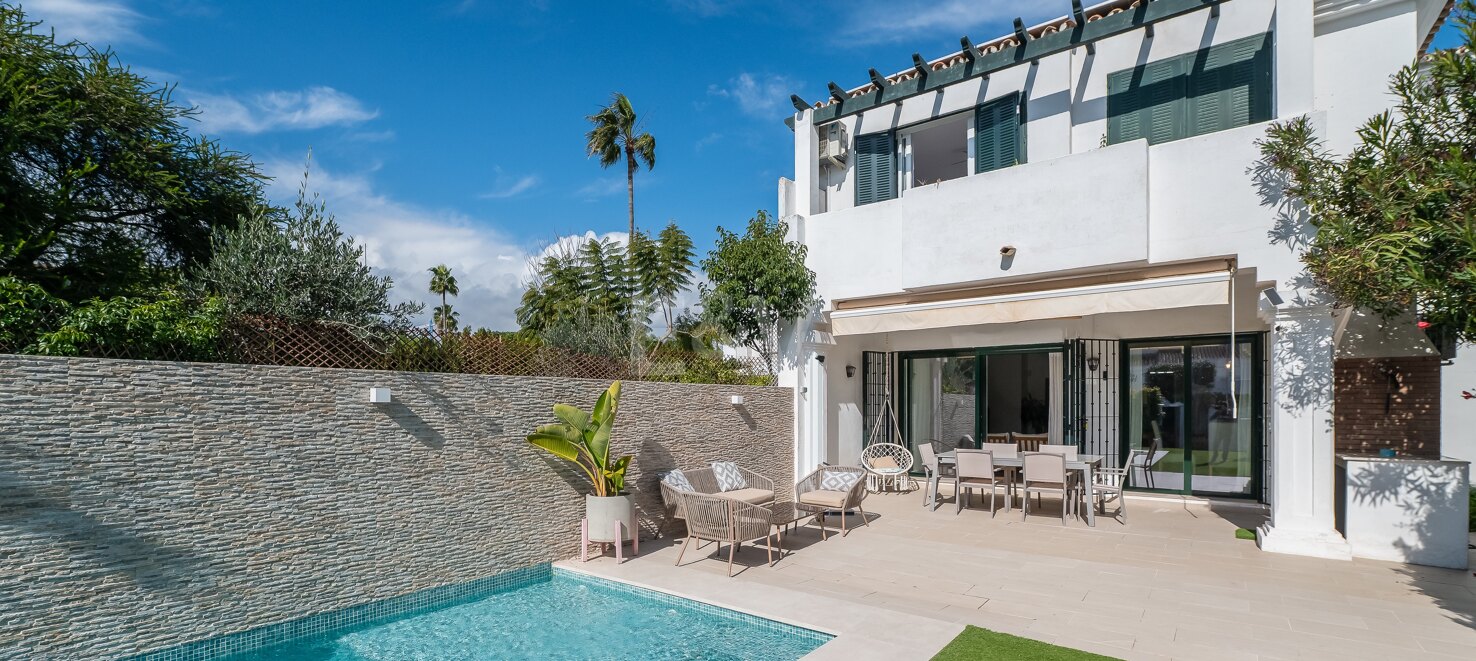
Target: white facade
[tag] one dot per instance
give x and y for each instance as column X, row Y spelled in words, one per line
column 1077, row 212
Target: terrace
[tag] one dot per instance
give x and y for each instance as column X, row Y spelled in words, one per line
column 1173, row 583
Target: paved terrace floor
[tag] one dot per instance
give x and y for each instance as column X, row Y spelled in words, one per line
column 1172, row 583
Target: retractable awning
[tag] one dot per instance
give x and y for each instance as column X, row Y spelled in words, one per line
column 1179, row 291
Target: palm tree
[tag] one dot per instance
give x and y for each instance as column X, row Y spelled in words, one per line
column 443, row 283
column 662, row 267
column 617, row 133
column 446, row 319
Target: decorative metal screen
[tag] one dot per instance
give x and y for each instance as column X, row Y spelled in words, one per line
column 876, row 376
column 1091, row 375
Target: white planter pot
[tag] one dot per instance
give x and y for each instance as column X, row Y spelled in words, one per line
column 604, row 512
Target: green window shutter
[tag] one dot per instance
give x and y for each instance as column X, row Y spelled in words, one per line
column 1147, row 102
column 997, row 134
column 876, row 168
column 1230, row 85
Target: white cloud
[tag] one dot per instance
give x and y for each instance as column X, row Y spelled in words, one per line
column 507, row 186
column 402, row 240
column 311, row 108
column 97, row 22
column 763, row 95
column 604, row 187
column 878, row 21
column 706, row 141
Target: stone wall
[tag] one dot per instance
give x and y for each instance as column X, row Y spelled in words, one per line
column 143, row 505
column 1387, row 403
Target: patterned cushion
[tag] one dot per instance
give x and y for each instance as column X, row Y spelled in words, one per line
column 728, row 477
column 838, row 480
column 677, row 480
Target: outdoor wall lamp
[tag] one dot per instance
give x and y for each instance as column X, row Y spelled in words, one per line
column 379, row 395
column 850, row 371
column 737, row 400
column 1093, row 363
column 1007, row 251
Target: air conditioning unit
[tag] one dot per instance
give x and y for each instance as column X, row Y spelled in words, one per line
column 835, row 145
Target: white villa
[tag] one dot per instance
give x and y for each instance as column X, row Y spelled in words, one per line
column 1065, row 231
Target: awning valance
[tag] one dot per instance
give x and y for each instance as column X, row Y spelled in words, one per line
column 1178, row 291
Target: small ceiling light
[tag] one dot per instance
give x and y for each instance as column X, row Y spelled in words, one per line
column 1007, row 251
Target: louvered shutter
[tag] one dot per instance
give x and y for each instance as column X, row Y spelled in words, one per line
column 1147, row 102
column 876, row 169
column 997, row 134
column 1230, row 85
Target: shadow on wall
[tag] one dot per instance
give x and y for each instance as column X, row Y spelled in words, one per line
column 1296, row 386
column 1420, row 497
column 102, row 545
column 413, row 425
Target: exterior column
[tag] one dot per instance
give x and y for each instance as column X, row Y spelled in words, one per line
column 1302, row 454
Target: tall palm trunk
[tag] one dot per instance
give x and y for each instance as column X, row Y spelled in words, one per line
column 630, row 186
column 442, row 328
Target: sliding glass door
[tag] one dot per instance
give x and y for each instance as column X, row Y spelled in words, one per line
column 963, row 395
column 1193, row 415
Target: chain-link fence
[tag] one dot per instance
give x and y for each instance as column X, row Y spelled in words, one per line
column 269, row 341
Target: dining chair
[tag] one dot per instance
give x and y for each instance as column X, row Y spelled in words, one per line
column 1109, row 484
column 933, row 471
column 1142, row 461
column 1030, row 442
column 1046, row 473
column 974, row 469
column 1068, row 451
column 998, row 439
column 1006, row 450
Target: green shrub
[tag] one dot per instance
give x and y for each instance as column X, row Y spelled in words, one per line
column 1472, row 511
column 168, row 328
column 26, row 310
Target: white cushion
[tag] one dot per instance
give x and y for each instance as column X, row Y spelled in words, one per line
column 728, row 477
column 677, row 480
column 838, row 480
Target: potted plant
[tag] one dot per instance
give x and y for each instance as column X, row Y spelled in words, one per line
column 584, row 439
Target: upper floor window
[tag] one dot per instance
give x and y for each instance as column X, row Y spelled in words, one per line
column 1212, row 89
column 989, row 138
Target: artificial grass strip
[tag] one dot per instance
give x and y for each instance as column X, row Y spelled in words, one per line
column 1245, row 533
column 976, row 644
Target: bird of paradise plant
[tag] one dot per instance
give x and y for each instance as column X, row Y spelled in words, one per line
column 584, row 439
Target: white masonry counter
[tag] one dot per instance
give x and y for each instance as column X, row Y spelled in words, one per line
column 1405, row 509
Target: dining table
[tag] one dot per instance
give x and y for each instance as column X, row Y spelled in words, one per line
column 1083, row 463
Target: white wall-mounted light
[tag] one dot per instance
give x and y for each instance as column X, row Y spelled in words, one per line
column 737, row 400
column 380, row 395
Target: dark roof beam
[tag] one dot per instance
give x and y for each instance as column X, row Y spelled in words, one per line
column 799, row 104
column 836, row 92
column 920, row 65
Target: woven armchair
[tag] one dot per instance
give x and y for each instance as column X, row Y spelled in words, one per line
column 725, row 521
column 760, row 490
column 811, row 495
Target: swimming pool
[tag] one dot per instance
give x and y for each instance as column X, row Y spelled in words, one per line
column 568, row 616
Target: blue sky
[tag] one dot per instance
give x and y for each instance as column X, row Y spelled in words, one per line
column 453, row 131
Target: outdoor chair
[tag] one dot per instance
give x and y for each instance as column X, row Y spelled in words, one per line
column 1068, row 451
column 933, row 472
column 997, row 439
column 1046, row 473
column 1030, row 442
column 886, row 462
column 725, row 521
column 1142, row 461
column 758, row 490
column 1005, row 450
column 1108, row 484
column 832, row 489
column 975, row 470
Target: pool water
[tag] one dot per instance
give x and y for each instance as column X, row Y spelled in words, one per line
column 567, row 617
